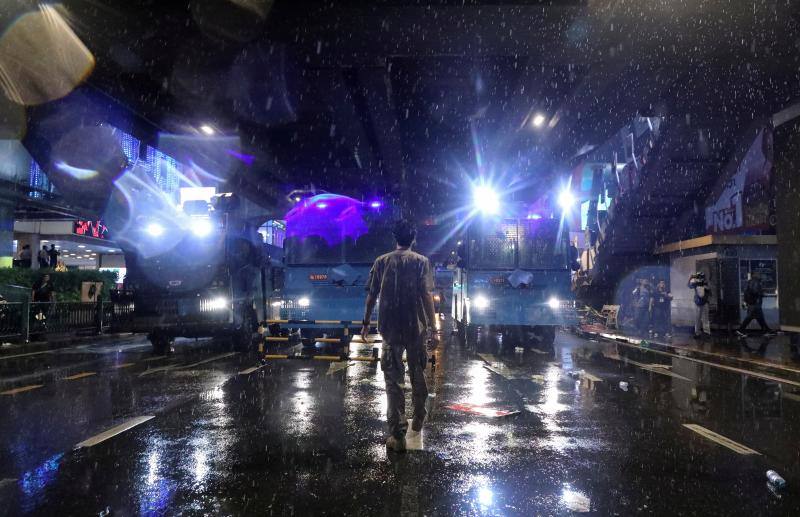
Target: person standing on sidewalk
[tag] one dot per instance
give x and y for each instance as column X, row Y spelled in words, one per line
column 662, row 300
column 43, row 257
column 403, row 280
column 753, row 299
column 642, row 297
column 698, row 283
column 53, row 254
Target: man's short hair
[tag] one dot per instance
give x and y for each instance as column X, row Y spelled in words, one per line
column 404, row 232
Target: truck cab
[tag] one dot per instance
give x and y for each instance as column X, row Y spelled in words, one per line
column 331, row 244
column 514, row 279
column 204, row 277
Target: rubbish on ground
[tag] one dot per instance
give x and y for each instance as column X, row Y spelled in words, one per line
column 590, row 377
column 644, row 344
column 623, row 385
column 338, row 366
column 538, row 379
column 775, row 479
column 518, row 350
column 486, row 411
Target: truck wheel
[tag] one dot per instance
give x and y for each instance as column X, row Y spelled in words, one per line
column 162, row 344
column 243, row 336
column 544, row 337
column 471, row 336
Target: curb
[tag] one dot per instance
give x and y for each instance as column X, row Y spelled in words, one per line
column 63, row 342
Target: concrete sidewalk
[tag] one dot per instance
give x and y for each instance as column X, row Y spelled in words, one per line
column 772, row 355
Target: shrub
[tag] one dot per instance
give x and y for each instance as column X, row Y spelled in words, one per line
column 66, row 284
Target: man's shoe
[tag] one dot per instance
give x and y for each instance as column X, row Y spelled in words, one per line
column 740, row 333
column 411, row 434
column 396, row 444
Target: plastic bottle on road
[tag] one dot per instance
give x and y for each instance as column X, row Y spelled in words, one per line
column 775, row 479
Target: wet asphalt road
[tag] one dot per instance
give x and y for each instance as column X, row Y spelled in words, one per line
column 295, row 438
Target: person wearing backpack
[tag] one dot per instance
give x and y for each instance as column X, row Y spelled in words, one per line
column 701, row 294
column 753, row 298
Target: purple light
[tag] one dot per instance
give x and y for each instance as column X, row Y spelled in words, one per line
column 534, row 216
column 376, row 204
column 343, row 218
column 247, row 159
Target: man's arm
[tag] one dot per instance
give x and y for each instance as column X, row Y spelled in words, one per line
column 373, row 289
column 371, row 299
column 426, row 291
column 430, row 311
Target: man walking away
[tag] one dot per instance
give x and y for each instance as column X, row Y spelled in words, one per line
column 662, row 300
column 753, row 299
column 403, row 281
column 53, row 254
column 698, row 282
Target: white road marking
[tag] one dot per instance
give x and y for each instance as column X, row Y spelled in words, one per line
column 154, row 358
column 792, row 396
column 721, row 440
column 3, row 357
column 7, row 481
column 250, row 370
column 215, row 358
column 114, row 431
column 156, row 370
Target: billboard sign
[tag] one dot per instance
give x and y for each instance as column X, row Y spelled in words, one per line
column 741, row 201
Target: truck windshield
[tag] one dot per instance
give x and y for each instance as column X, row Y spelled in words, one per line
column 315, row 249
column 188, row 266
column 335, row 229
column 518, row 243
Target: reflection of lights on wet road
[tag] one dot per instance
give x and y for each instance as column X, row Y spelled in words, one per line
column 478, row 385
column 574, row 500
column 485, row 496
column 35, row 481
column 479, row 490
column 549, row 408
column 200, row 465
column 303, row 403
column 152, row 467
column 476, row 447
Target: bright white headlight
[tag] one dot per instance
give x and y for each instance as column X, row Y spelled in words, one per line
column 155, row 229
column 486, row 200
column 303, row 302
column 218, row 303
column 554, row 303
column 201, row 227
column 481, row 302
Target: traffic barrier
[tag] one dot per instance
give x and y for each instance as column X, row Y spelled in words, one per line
column 272, row 330
column 26, row 321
